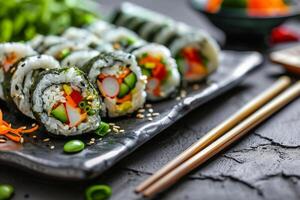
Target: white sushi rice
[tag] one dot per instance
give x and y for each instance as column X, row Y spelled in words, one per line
column 171, row 84
column 22, row 80
column 79, row 58
column 19, row 50
column 99, row 28
column 57, row 49
column 40, row 43
column 115, row 35
column 43, row 98
column 111, row 67
column 83, row 36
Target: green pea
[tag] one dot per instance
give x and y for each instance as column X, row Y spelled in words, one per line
column 103, row 129
column 98, row 192
column 91, row 112
column 6, row 191
column 87, row 108
column 82, row 104
column 74, row 146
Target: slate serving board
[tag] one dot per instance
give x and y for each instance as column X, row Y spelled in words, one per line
column 36, row 155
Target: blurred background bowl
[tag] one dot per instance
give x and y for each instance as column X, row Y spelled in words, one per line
column 238, row 21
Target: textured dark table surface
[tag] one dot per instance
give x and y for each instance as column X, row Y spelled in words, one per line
column 263, row 165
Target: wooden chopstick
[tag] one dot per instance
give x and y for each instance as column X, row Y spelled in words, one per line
column 215, row 133
column 224, row 141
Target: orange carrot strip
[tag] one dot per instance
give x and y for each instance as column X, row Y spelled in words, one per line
column 14, row 138
column 71, row 102
column 30, row 130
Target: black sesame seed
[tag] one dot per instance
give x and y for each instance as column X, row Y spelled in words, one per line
column 23, row 64
column 39, row 56
column 17, row 87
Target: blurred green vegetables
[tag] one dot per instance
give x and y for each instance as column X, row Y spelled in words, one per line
column 22, row 19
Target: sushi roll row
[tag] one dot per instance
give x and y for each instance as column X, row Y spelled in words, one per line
column 61, row 99
column 196, row 53
column 157, row 64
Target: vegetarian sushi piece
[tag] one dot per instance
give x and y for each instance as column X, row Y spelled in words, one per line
column 82, row 36
column 119, row 81
column 62, row 50
column 10, row 53
column 18, row 84
column 65, row 102
column 99, row 28
column 196, row 53
column 79, row 58
column 121, row 38
column 40, row 42
column 156, row 63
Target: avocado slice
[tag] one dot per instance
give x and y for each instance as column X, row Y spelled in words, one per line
column 124, row 89
column 130, row 80
column 146, row 72
column 60, row 113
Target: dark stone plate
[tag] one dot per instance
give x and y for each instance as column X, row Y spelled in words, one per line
column 37, row 156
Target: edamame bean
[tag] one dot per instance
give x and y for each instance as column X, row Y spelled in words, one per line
column 74, row 146
column 6, row 192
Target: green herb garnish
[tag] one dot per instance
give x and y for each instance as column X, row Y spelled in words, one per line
column 103, row 129
column 98, row 192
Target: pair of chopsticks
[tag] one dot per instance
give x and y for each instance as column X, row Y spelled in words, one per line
column 253, row 113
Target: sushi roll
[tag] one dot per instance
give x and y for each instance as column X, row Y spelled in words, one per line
column 121, row 38
column 40, row 43
column 119, row 81
column 197, row 54
column 65, row 102
column 79, row 58
column 99, row 28
column 62, row 50
column 156, row 63
column 18, row 85
column 83, row 36
column 10, row 53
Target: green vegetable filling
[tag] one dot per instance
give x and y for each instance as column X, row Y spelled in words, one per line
column 130, row 80
column 124, row 89
column 60, row 113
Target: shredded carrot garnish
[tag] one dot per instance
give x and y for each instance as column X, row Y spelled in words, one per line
column 14, row 134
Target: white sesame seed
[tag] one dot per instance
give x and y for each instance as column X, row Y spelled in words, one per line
column 115, row 130
column 150, row 118
column 150, row 110
column 155, row 114
column 46, row 140
column 196, row 87
column 2, row 140
column 148, row 105
column 141, row 110
column 140, row 116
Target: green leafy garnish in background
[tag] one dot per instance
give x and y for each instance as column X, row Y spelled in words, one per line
column 23, row 19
